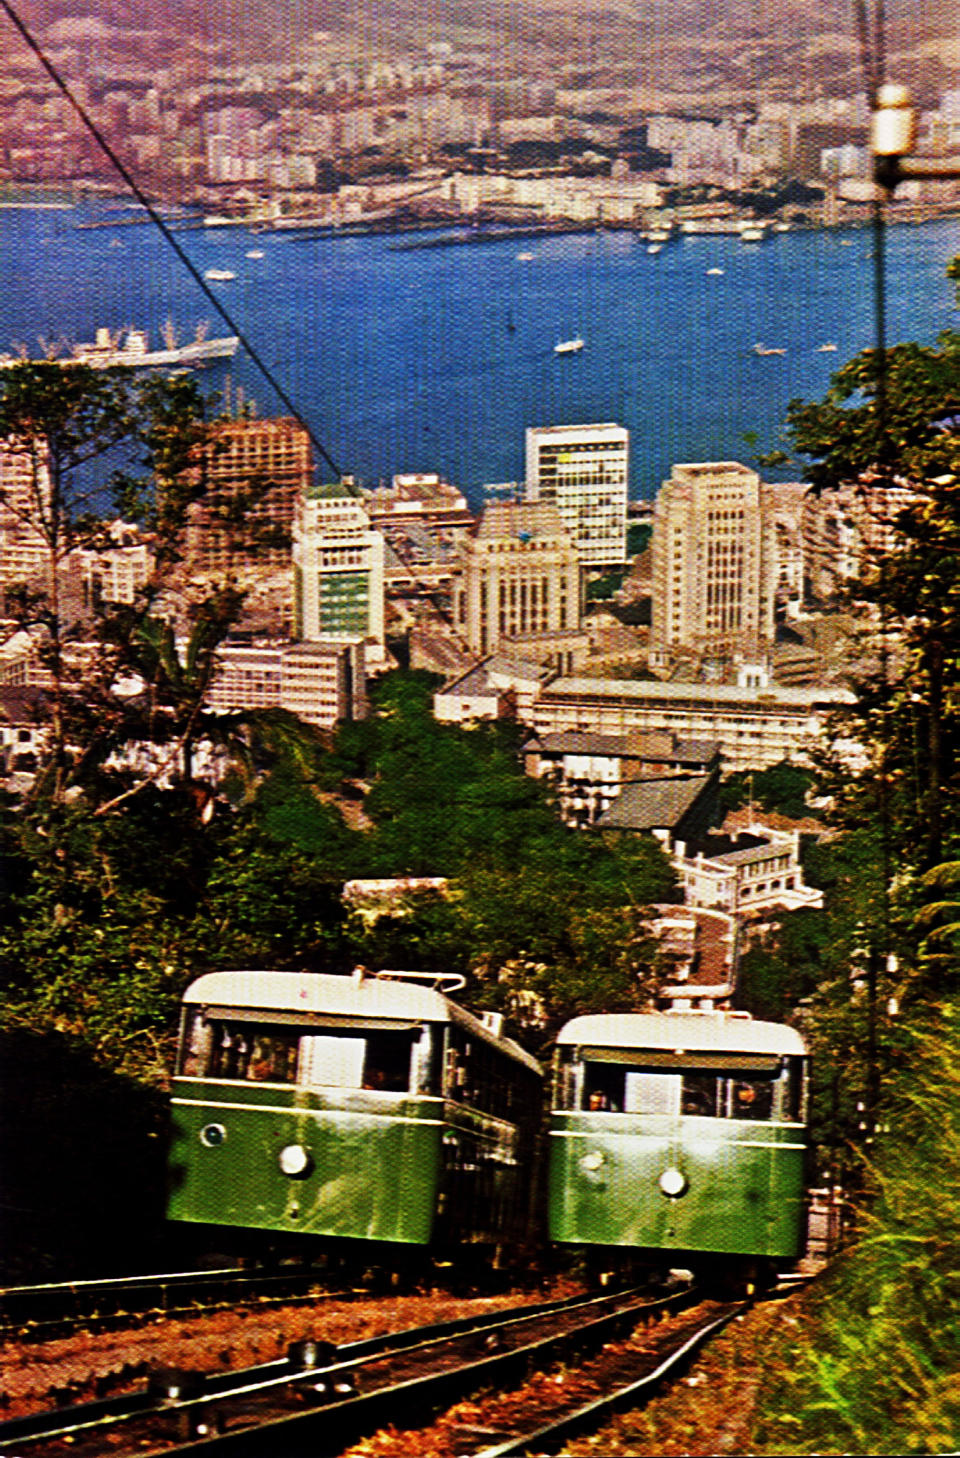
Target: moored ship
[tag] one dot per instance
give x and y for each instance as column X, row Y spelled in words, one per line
column 131, row 348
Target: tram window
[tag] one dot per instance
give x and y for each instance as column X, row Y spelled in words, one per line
column 751, row 1098
column 328, row 1060
column 260, row 1054
column 379, row 1060
column 273, row 1057
column 565, row 1084
column 481, row 1075
column 651, row 1093
column 700, row 1094
column 387, row 1062
column 603, row 1087
column 196, row 1047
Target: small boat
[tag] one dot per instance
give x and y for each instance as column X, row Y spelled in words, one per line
column 568, row 346
column 714, row 272
column 751, row 234
column 219, row 275
column 828, row 348
column 654, row 247
column 765, row 349
column 525, row 257
column 255, row 253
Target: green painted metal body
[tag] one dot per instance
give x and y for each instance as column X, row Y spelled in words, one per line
column 743, row 1192
column 375, row 1161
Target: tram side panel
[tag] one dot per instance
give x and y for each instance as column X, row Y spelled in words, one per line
column 306, row 1164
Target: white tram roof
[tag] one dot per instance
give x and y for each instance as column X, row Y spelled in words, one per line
column 706, row 1032
column 343, row 998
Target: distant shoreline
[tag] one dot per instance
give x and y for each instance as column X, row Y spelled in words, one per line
column 71, row 193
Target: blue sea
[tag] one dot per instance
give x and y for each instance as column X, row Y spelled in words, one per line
column 437, row 359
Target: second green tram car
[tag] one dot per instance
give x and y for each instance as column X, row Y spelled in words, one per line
column 679, row 1133
column 350, row 1109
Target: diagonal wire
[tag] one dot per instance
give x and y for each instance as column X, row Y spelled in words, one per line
column 873, row 62
column 158, row 221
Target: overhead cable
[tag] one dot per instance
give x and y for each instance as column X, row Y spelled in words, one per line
column 159, row 223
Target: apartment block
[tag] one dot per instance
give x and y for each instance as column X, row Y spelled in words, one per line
column 583, row 470
column 252, row 472
column 322, row 683
column 848, row 531
column 753, row 726
column 756, row 873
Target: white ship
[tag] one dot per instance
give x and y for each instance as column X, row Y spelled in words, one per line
column 219, row 275
column 131, row 348
column 764, row 349
column 569, row 346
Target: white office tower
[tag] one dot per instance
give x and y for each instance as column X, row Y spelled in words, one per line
column 337, row 570
column 583, row 470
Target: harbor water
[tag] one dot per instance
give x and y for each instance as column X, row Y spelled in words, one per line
column 419, row 358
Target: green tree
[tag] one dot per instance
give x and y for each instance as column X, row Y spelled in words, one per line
column 893, row 419
column 782, row 787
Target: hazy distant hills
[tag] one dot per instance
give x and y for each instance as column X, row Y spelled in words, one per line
column 702, row 49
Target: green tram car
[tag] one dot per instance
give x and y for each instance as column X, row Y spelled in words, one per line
column 351, row 1109
column 679, row 1133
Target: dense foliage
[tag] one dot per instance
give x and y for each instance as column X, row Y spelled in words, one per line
column 876, row 974
column 106, row 917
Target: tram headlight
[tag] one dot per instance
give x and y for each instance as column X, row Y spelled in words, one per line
column 295, row 1160
column 673, row 1182
column 592, row 1167
column 213, row 1135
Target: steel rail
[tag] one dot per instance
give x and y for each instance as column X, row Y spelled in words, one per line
column 259, row 1379
column 549, row 1437
column 30, row 1312
column 329, row 1429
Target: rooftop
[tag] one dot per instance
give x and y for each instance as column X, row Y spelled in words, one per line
column 720, row 694
column 653, row 804
column 527, row 520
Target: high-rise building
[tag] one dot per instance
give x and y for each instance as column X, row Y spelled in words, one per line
column 338, row 569
column 583, row 470
column 24, row 500
column 518, row 575
column 713, row 592
column 253, row 473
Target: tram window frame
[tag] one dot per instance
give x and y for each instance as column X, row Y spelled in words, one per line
column 768, row 1095
column 242, row 1050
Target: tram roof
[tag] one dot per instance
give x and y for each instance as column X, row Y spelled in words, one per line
column 716, row 1032
column 330, row 995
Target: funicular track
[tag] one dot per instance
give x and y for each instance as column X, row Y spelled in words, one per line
column 40, row 1313
column 312, row 1396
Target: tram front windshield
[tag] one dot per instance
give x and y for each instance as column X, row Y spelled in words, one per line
column 391, row 1060
column 752, row 1088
